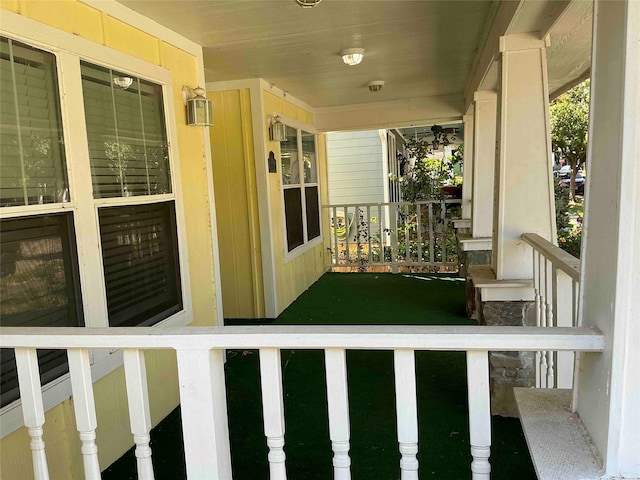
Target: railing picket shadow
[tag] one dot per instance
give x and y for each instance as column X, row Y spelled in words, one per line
column 202, row 384
column 394, row 234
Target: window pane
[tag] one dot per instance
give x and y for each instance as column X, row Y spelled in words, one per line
column 313, row 212
column 309, row 157
column 126, row 133
column 39, row 287
column 293, row 215
column 32, row 161
column 289, row 158
column 140, row 258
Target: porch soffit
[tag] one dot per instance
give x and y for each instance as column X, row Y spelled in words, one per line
column 422, row 49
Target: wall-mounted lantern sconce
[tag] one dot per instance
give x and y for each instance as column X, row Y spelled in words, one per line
column 277, row 130
column 199, row 108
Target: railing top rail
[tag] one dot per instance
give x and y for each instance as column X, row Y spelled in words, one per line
column 385, row 204
column 558, row 257
column 448, row 338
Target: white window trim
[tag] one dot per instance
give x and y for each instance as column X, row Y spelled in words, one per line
column 69, row 50
column 308, row 244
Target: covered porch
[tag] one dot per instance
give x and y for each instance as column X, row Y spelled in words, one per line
column 402, row 383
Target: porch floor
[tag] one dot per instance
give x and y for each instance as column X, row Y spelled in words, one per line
column 367, row 298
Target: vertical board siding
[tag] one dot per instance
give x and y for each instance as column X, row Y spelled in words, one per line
column 113, row 435
column 232, row 157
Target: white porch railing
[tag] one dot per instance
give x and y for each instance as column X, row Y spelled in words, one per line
column 393, row 234
column 202, row 384
column 556, row 282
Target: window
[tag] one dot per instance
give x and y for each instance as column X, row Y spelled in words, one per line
column 299, row 168
column 120, row 210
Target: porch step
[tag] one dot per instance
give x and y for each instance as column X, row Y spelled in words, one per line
column 558, row 441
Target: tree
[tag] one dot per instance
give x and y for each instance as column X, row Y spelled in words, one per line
column 569, row 127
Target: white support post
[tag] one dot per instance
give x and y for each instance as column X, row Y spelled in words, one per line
column 273, row 410
column 32, row 409
column 85, row 409
column 406, row 412
column 139, row 413
column 338, row 408
column 523, row 161
column 484, row 159
column 203, row 406
column 479, row 413
column 609, row 384
column 468, row 163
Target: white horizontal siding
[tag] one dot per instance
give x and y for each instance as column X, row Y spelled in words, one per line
column 355, row 167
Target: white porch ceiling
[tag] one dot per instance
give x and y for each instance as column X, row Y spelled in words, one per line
column 423, row 48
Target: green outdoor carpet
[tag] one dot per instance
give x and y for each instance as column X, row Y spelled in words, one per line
column 357, row 298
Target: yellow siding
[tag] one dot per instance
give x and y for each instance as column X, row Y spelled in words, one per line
column 130, row 40
column 113, row 434
column 236, row 204
column 295, row 276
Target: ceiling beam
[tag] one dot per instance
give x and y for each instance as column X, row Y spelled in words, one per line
column 395, row 114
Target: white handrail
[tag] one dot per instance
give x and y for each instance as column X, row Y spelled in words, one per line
column 202, row 383
column 556, row 280
column 559, row 258
column 391, row 234
column 353, row 337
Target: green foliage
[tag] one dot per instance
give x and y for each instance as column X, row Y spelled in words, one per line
column 569, row 127
column 428, row 175
column 569, row 236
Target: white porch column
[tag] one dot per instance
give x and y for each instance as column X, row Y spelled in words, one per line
column 468, row 167
column 524, row 193
column 609, row 383
column 484, row 157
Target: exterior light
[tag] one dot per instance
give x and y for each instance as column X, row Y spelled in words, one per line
column 352, row 56
column 199, row 108
column 308, row 3
column 277, row 130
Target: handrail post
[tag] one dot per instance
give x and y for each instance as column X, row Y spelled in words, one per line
column 479, row 413
column 204, row 413
column 393, row 223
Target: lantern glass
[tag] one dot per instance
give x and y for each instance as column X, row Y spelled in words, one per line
column 199, row 112
column 278, row 132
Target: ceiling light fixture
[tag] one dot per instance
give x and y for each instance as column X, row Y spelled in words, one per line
column 352, row 56
column 376, row 85
column 308, row 3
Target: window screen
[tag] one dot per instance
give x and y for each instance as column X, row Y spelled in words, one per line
column 293, row 214
column 39, row 287
column 126, row 134
column 140, row 258
column 32, row 160
column 309, row 157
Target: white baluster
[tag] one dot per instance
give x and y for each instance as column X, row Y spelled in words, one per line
column 273, row 410
column 536, row 288
column 32, row 409
column 338, row 408
column 407, row 412
column 549, row 323
column 85, row 409
column 479, row 413
column 203, row 406
column 139, row 414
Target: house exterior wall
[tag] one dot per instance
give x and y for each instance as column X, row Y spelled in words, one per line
column 233, row 160
column 355, row 167
column 295, row 275
column 113, row 433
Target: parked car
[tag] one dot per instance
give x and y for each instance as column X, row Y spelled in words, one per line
column 452, row 191
column 580, row 181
